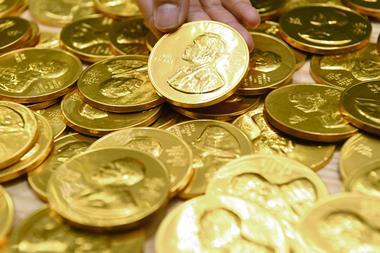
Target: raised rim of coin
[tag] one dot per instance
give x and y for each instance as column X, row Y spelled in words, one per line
column 35, row 156
column 114, row 14
column 116, row 108
column 120, row 138
column 48, row 95
column 8, row 204
column 30, row 119
column 106, row 219
column 300, row 133
column 318, row 49
column 365, row 123
column 197, row 100
column 366, row 10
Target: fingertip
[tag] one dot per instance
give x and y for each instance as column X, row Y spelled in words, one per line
column 248, row 38
column 252, row 18
column 166, row 17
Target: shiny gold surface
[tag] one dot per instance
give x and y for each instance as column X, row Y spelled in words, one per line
column 272, row 64
column 220, row 224
column 365, row 179
column 283, row 186
column 9, row 7
column 45, row 231
column 343, row 223
column 366, row 7
column 18, row 128
column 273, row 28
column 42, row 105
column 88, row 120
column 118, row 8
column 214, row 143
column 325, row 29
column 128, row 37
column 227, row 110
column 360, row 105
column 269, row 9
column 343, row 71
column 358, row 152
column 108, row 188
column 35, row 156
column 48, row 40
column 65, row 148
column 201, row 64
column 88, row 38
column 34, row 75
column 55, row 118
column 308, row 111
column 167, row 118
column 120, row 84
column 60, row 12
column 14, row 31
column 172, row 151
column 266, row 140
column 6, row 214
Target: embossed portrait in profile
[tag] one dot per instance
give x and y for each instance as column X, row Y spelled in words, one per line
column 92, row 113
column 222, row 231
column 146, row 144
column 215, row 147
column 369, row 108
column 263, row 138
column 265, row 61
column 87, row 36
column 327, row 28
column 107, row 186
column 314, row 106
column 348, row 232
column 39, row 75
column 129, row 82
column 201, row 75
column 362, row 67
column 288, row 200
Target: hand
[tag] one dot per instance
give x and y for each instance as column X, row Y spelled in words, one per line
column 167, row 15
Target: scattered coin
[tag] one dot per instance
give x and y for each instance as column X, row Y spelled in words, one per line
column 6, row 214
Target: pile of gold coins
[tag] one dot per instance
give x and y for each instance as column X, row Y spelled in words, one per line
column 112, row 126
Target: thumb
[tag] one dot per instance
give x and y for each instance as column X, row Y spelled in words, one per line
column 168, row 15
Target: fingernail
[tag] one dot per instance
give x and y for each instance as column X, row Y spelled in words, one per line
column 166, row 16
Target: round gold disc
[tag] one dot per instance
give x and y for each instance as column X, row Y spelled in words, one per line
column 47, row 231
column 343, row 223
column 42, row 105
column 199, row 65
column 266, row 140
column 172, row 151
column 48, row 40
column 167, row 118
column 308, row 111
column 8, row 7
column 273, row 28
column 55, row 118
column 60, row 12
column 118, row 8
column 120, row 84
column 214, row 143
column 227, row 110
column 365, row 7
column 18, row 128
column 220, row 224
column 325, row 29
column 343, row 71
column 65, row 148
column 35, row 156
column 6, row 214
column 360, row 105
column 128, row 37
column 365, row 179
column 88, row 120
column 358, row 152
column 108, row 188
column 272, row 64
column 88, row 38
column 269, row 9
column 13, row 34
column 34, row 75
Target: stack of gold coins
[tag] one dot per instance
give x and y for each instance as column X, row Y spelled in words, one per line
column 114, row 127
